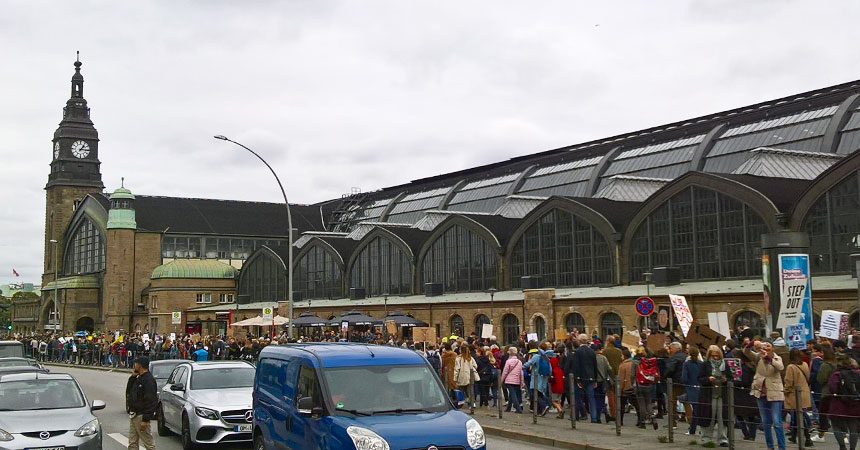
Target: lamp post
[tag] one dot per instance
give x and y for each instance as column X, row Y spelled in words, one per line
column 492, row 291
column 55, row 325
column 289, row 233
column 647, row 276
column 385, row 303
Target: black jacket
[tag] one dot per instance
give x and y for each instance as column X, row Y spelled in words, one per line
column 585, row 364
column 141, row 396
column 674, row 367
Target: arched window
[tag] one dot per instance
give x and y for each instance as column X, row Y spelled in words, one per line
column 85, row 252
column 317, row 275
column 574, row 321
column 540, row 327
column 480, row 320
column 382, row 268
column 457, row 326
column 263, row 278
column 461, row 260
column 610, row 323
column 705, row 234
column 564, row 250
column 833, row 224
column 510, row 329
column 753, row 321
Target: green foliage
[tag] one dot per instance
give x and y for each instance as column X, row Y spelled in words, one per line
column 709, row 444
column 693, row 442
column 663, row 438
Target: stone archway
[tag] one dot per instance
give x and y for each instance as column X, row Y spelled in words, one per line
column 85, row 324
column 47, row 316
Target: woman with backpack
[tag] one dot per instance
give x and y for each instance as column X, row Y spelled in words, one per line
column 844, row 405
column 713, row 407
column 540, row 371
column 485, row 372
column 690, row 380
column 797, row 376
column 556, row 381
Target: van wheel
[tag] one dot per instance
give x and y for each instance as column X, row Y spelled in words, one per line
column 160, row 425
column 258, row 442
column 187, row 443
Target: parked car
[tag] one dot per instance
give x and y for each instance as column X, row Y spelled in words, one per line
column 48, row 411
column 342, row 396
column 162, row 369
column 21, row 362
column 207, row 402
column 11, row 348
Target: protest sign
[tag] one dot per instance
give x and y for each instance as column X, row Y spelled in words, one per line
column 532, row 337
column 795, row 300
column 424, row 334
column 391, row 327
column 734, row 365
column 656, row 341
column 834, row 324
column 486, row 331
column 631, row 341
column 682, row 312
column 719, row 322
column 794, row 334
column 701, row 336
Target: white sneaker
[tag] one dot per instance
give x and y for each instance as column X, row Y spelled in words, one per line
column 817, row 438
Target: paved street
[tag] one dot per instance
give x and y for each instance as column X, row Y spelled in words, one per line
column 110, row 387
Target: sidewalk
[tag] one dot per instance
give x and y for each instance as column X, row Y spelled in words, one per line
column 553, row 432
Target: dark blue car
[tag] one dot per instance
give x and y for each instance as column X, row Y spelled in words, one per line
column 352, row 396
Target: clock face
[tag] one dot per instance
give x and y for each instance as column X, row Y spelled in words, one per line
column 56, row 150
column 80, row 149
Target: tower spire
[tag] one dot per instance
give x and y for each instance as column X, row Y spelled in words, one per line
column 77, row 78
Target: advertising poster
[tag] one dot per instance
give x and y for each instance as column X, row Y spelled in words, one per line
column 795, row 305
column 682, row 312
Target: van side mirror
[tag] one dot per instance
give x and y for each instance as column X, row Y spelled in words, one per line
column 305, row 406
column 460, row 396
column 177, row 387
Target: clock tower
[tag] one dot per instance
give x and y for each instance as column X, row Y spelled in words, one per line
column 75, row 170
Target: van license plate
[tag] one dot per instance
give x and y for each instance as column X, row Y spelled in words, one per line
column 241, row 428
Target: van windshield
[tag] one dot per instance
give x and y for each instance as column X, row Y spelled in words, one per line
column 13, row 349
column 370, row 390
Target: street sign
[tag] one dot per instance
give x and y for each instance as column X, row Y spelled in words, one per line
column 176, row 318
column 268, row 312
column 644, row 306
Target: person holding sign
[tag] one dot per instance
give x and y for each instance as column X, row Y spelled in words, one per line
column 767, row 388
column 713, row 408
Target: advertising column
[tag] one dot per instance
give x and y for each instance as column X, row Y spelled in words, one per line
column 787, row 282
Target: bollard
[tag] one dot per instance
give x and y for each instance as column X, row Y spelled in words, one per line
column 535, row 401
column 445, row 380
column 571, row 402
column 500, row 394
column 471, row 392
column 670, row 393
column 619, row 408
column 731, row 429
column 798, row 413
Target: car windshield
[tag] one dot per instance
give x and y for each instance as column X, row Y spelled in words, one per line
column 28, row 395
column 222, row 378
column 164, row 370
column 14, row 362
column 396, row 389
column 11, row 350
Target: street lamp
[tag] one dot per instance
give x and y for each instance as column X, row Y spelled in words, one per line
column 56, row 323
column 385, row 302
column 492, row 291
column 289, row 233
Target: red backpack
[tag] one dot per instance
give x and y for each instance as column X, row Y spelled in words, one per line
column 646, row 372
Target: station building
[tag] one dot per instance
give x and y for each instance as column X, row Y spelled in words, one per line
column 564, row 238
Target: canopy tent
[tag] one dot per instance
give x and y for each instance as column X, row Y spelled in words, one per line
column 280, row 320
column 353, row 317
column 308, row 319
column 401, row 319
column 252, row 322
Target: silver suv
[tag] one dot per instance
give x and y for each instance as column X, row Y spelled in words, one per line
column 39, row 410
column 207, row 403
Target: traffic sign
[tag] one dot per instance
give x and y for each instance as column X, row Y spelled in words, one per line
column 268, row 312
column 176, row 318
column 644, row 306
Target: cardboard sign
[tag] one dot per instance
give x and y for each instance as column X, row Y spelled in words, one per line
column 532, row 337
column 719, row 322
column 486, row 331
column 795, row 334
column 656, row 341
column 424, row 334
column 176, row 318
column 561, row 334
column 701, row 336
column 630, row 341
column 146, row 337
column 682, row 312
column 391, row 327
column 734, row 366
column 834, row 324
column 172, row 337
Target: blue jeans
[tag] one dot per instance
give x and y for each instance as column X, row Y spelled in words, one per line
column 771, row 417
column 515, row 395
column 588, row 387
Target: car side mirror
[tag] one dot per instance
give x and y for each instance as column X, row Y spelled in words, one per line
column 177, row 387
column 97, row 405
column 305, row 406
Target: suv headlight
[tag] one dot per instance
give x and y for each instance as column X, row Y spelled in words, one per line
column 364, row 439
column 206, row 413
column 4, row 436
column 474, row 434
column 89, row 429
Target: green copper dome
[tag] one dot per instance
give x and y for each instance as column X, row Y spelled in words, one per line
column 121, row 214
column 122, row 193
column 194, row 268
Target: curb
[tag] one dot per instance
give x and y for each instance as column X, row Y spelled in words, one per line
column 540, row 440
column 102, row 369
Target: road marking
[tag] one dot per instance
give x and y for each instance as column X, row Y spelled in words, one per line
column 119, row 437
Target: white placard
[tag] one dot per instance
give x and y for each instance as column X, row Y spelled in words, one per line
column 176, row 318
column 268, row 313
column 486, row 331
column 172, row 337
column 532, row 337
column 832, row 324
column 146, row 337
column 719, row 322
column 682, row 312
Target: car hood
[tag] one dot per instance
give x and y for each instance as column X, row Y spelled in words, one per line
column 414, row 430
column 223, row 399
column 47, row 420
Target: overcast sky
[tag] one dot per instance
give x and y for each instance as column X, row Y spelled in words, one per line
column 370, row 94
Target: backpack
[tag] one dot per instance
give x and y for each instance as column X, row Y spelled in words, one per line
column 544, row 367
column 849, row 385
column 435, row 361
column 646, row 372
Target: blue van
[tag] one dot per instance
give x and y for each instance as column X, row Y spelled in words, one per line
column 353, row 396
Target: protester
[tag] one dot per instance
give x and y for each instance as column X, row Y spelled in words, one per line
column 767, row 388
column 465, row 371
column 713, row 409
column 844, row 407
column 690, row 381
column 512, row 379
column 796, row 377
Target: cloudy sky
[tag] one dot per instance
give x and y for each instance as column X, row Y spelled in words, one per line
column 375, row 93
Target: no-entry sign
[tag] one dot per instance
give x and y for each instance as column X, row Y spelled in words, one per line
column 644, row 306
